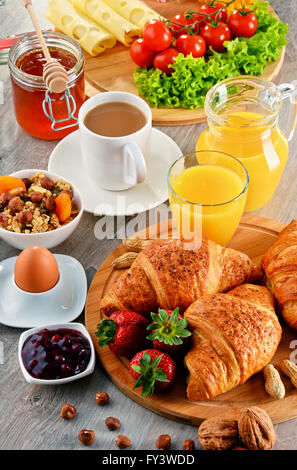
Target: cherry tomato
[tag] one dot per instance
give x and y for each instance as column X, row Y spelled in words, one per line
column 175, row 29
column 187, row 44
column 141, row 54
column 243, row 23
column 165, row 58
column 156, row 35
column 215, row 36
column 211, row 7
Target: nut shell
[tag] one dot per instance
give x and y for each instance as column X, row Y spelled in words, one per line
column 256, row 429
column 68, row 411
column 86, row 437
column 218, row 434
column 189, row 444
column 112, row 423
column 123, row 442
column 102, row 398
column 163, row 442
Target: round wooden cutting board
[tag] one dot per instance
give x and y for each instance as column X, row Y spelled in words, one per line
column 113, row 70
column 253, row 237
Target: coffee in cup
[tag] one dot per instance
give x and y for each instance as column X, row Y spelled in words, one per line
column 115, row 135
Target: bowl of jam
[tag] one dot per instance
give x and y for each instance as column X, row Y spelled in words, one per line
column 56, row 354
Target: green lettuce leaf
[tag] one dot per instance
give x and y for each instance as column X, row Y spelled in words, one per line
column 192, row 78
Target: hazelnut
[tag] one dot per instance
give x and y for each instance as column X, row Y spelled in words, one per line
column 86, row 436
column 68, row 411
column 15, row 205
column 47, row 183
column 50, row 204
column 27, row 182
column 112, row 423
column 189, row 445
column 123, row 442
column 163, row 442
column 102, row 398
column 36, row 197
column 25, row 217
column 4, row 199
column 3, row 220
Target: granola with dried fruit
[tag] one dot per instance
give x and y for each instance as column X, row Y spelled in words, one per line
column 34, row 202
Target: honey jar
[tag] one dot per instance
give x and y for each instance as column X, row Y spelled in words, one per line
column 39, row 112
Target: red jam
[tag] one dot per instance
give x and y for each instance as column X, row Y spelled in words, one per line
column 56, row 354
column 28, row 99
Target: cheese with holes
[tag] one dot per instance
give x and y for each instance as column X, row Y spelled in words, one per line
column 100, row 12
column 92, row 37
column 133, row 10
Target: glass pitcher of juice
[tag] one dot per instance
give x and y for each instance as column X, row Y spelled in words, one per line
column 243, row 117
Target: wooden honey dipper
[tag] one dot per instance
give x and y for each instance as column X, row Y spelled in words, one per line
column 54, row 74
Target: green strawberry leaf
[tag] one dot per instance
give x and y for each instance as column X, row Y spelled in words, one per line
column 148, row 389
column 140, row 381
column 184, row 333
column 137, row 369
column 163, row 316
column 174, row 315
column 155, row 317
column 157, row 361
column 106, row 331
column 168, row 329
column 149, row 373
column 161, row 376
column 145, row 360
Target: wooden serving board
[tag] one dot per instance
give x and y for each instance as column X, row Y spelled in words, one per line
column 113, row 70
column 253, row 237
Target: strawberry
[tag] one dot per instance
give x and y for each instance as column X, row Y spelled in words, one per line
column 124, row 332
column 169, row 330
column 153, row 369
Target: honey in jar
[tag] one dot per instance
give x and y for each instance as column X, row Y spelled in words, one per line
column 26, row 62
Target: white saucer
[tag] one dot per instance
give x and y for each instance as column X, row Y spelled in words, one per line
column 66, row 161
column 61, row 304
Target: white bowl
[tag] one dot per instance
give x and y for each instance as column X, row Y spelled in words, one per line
column 45, row 239
column 73, row 326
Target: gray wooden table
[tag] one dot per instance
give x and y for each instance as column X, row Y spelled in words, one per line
column 29, row 415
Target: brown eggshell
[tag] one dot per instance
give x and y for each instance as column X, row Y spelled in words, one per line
column 36, row 270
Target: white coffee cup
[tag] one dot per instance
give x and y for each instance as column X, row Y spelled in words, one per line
column 116, row 163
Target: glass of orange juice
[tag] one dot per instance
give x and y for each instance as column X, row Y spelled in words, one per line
column 207, row 195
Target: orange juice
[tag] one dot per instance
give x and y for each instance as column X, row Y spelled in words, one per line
column 262, row 149
column 207, row 197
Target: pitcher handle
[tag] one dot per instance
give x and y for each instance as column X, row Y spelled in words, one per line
column 289, row 90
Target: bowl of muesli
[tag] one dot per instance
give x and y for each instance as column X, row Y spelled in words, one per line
column 38, row 208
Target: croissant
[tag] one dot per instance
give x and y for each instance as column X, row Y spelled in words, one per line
column 168, row 274
column 280, row 266
column 234, row 336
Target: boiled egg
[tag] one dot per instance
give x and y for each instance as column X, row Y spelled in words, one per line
column 36, row 270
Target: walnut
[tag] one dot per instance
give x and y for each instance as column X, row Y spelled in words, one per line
column 218, row 434
column 256, row 429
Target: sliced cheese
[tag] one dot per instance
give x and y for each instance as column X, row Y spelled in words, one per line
column 125, row 31
column 92, row 37
column 133, row 10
